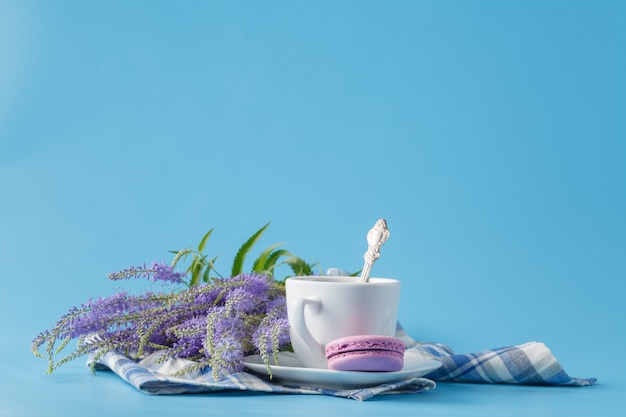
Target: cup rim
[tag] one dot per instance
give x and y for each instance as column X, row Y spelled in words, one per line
column 340, row 280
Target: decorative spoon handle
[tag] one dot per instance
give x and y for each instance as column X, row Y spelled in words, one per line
column 375, row 239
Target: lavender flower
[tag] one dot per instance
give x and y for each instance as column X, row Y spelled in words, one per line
column 214, row 324
column 188, row 338
column 158, row 272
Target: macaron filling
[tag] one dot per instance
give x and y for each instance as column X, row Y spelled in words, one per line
column 366, row 353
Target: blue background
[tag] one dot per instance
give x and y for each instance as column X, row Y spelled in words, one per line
column 490, row 135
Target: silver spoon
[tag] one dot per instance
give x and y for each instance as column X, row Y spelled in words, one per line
column 375, row 239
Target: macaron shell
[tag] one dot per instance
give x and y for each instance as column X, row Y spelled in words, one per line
column 366, row 353
column 367, row 361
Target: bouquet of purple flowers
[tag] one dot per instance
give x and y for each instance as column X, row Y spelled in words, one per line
column 212, row 320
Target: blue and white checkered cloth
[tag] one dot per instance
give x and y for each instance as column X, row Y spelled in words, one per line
column 530, row 363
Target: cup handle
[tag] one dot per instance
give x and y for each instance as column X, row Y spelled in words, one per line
column 315, row 306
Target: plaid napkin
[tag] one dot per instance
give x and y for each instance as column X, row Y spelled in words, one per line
column 155, row 378
column 530, row 363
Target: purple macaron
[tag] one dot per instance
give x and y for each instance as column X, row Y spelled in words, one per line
column 366, row 353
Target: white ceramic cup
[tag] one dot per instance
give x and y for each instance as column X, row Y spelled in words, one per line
column 321, row 309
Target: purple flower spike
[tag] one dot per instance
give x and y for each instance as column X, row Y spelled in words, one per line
column 214, row 325
column 165, row 272
column 158, row 272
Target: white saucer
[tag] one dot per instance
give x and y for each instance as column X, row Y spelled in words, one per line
column 291, row 370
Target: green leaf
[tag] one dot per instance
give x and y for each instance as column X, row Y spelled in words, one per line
column 273, row 258
column 196, row 269
column 299, row 266
column 243, row 251
column 259, row 264
column 207, row 271
column 209, row 267
column 204, row 240
column 212, row 265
